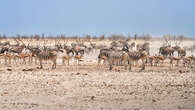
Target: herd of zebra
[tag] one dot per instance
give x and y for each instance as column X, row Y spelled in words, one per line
column 118, row 53
column 134, row 52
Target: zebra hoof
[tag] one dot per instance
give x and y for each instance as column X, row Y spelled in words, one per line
column 39, row 67
column 142, row 69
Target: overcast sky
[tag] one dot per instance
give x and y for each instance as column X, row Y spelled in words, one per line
column 78, row 17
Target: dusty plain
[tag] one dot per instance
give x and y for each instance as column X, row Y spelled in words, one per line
column 92, row 87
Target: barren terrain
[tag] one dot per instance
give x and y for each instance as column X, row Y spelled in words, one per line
column 92, row 87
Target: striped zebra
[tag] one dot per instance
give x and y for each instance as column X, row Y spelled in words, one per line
column 118, row 58
column 136, row 56
column 45, row 54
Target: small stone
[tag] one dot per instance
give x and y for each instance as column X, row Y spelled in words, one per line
column 92, row 97
column 78, row 73
column 153, row 100
column 9, row 69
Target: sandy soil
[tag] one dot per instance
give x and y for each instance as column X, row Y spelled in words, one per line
column 91, row 87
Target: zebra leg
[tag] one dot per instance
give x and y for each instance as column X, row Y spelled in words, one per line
column 177, row 63
column 63, row 61
column 110, row 68
column 30, row 59
column 126, row 64
column 68, row 62
column 9, row 60
column 151, row 62
column 125, row 67
column 143, row 64
column 75, row 61
column 161, row 63
column 41, row 65
column 136, row 63
column 146, row 60
column 54, row 64
column 130, row 64
column 24, row 60
column 171, row 63
column 5, row 58
column 110, row 64
column 78, row 61
column 99, row 60
column 35, row 60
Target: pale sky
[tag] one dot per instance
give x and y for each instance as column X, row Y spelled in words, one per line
column 96, row 17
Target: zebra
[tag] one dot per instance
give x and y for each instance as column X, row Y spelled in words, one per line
column 45, row 54
column 145, row 46
column 118, row 58
column 135, row 56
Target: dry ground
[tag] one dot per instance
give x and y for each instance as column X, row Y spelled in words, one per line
column 95, row 88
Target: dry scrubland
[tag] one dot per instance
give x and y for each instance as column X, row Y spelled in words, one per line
column 90, row 87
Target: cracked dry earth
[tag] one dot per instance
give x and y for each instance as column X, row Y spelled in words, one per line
column 95, row 89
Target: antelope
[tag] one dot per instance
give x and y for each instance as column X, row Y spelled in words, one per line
column 160, row 59
column 5, row 43
column 187, row 61
column 6, row 51
column 156, row 59
column 66, row 58
column 9, row 56
column 192, row 57
column 180, row 51
column 78, row 58
column 14, row 50
column 172, row 59
column 23, row 56
column 166, row 51
column 17, row 49
column 77, row 49
column 151, row 60
column 3, row 51
column 2, row 55
column 69, row 50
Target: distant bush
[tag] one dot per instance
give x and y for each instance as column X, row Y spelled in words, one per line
column 145, row 37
